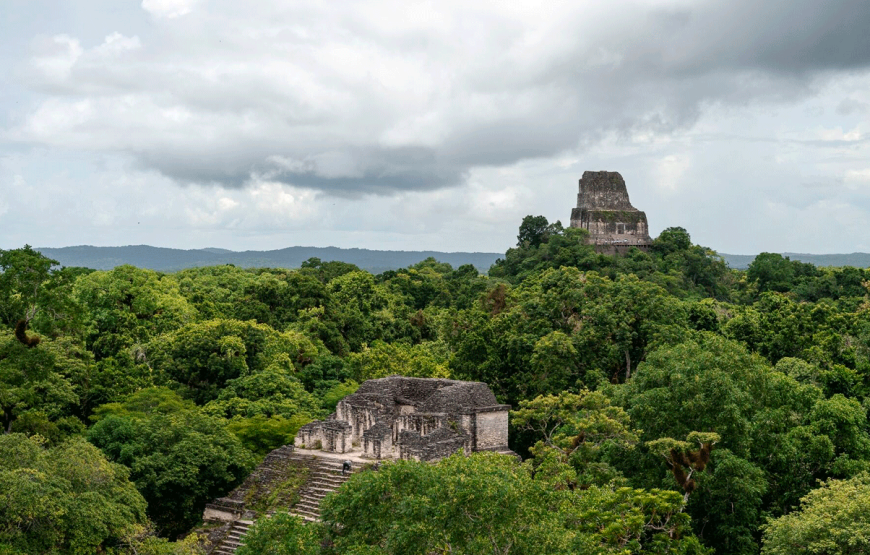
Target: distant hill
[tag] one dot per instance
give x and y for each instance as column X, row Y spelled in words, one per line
column 856, row 259
column 171, row 260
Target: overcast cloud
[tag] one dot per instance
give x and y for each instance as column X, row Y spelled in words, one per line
column 437, row 125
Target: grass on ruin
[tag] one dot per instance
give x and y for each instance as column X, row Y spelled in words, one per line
column 283, row 496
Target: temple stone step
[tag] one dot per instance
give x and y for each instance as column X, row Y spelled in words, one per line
column 307, row 512
column 331, row 480
column 308, row 505
column 321, row 489
column 325, row 477
column 307, row 517
column 234, row 538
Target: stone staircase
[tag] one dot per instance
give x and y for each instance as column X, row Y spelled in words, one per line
column 324, row 478
column 241, row 507
column 233, row 539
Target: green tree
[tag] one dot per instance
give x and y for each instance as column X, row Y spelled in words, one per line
column 261, row 434
column 672, row 240
column 204, row 356
column 729, row 503
column 179, row 461
column 270, row 392
column 833, row 520
column 571, row 429
column 772, row 272
column 33, row 291
column 483, row 503
column 622, row 520
column 533, row 231
column 563, row 328
column 33, row 380
column 143, row 540
column 284, row 534
column 126, row 308
column 708, row 384
column 381, row 359
column 552, row 247
column 66, row 499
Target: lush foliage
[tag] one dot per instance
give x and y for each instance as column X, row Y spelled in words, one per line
column 833, row 520
column 179, row 458
column 663, row 402
column 63, row 499
column 483, row 503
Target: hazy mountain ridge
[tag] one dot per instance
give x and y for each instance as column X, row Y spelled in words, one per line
column 856, row 259
column 170, row 260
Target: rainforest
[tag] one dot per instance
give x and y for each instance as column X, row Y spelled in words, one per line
column 662, row 401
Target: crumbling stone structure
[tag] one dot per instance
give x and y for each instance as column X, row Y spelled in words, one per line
column 412, row 418
column 603, row 208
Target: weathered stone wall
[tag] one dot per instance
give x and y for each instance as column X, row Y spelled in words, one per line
column 492, row 429
column 603, row 191
column 361, row 418
column 616, row 226
column 424, row 424
column 337, row 437
column 442, row 443
column 411, row 417
column 603, row 208
column 310, row 435
column 378, row 441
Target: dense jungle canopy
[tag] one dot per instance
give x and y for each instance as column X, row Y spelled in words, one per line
column 663, row 402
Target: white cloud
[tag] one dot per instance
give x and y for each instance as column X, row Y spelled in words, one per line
column 117, row 44
column 858, row 176
column 53, row 58
column 439, row 125
column 226, row 203
column 169, row 8
column 384, row 96
column 670, row 172
column 281, row 203
column 837, row 134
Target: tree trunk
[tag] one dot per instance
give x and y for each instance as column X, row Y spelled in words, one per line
column 627, row 365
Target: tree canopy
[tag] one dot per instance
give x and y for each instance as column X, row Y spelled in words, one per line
column 662, row 401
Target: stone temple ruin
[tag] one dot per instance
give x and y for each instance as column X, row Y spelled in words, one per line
column 603, row 208
column 412, row 418
column 389, row 418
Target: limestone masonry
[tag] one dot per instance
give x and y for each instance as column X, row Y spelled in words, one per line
column 412, row 418
column 603, row 208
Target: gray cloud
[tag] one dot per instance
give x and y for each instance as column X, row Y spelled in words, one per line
column 384, row 97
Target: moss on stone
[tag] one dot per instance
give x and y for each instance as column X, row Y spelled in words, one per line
column 284, row 494
column 621, row 216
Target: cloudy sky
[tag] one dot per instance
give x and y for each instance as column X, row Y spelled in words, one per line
column 430, row 125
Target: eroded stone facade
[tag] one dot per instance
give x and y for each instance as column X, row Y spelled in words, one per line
column 412, row 418
column 604, row 209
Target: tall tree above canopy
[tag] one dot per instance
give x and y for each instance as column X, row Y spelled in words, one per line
column 34, row 291
column 772, row 272
column 673, row 239
column 25, row 274
column 533, row 231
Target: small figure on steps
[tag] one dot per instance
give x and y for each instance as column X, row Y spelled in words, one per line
column 345, row 468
